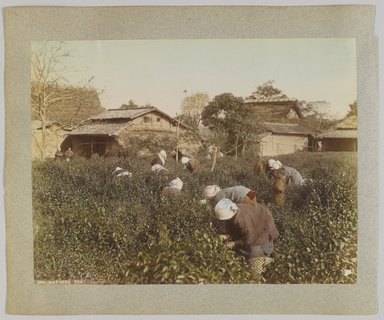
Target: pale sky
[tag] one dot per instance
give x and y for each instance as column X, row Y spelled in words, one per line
column 158, row 71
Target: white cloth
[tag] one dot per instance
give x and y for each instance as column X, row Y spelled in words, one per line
column 176, row 184
column 120, row 172
column 156, row 168
column 211, row 191
column 225, row 209
column 163, row 154
column 271, row 162
column 276, row 165
column 184, row 160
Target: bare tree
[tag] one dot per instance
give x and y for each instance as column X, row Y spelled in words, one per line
column 192, row 106
column 48, row 72
column 50, row 90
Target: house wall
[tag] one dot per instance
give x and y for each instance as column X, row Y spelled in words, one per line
column 347, row 144
column 283, row 144
column 150, row 129
column 153, row 121
column 85, row 146
column 54, row 138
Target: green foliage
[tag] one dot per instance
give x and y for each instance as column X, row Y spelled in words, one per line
column 230, row 116
column 267, row 90
column 352, row 109
column 89, row 225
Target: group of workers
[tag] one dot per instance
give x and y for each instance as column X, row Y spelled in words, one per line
column 250, row 226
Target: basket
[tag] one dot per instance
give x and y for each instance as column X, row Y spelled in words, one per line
column 259, row 265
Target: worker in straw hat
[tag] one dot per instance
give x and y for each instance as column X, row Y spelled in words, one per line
column 251, row 230
column 173, row 189
column 238, row 194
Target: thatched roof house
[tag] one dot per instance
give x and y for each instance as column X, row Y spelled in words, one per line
column 276, row 109
column 117, row 131
column 284, row 138
column 281, row 118
column 80, row 104
column 343, row 137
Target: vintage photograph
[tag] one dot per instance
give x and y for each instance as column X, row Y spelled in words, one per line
column 209, row 161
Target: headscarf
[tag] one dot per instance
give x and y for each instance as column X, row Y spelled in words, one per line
column 211, row 191
column 276, row 165
column 271, row 162
column 176, row 184
column 163, row 154
column 120, row 172
column 225, row 209
column 184, row 160
column 156, row 168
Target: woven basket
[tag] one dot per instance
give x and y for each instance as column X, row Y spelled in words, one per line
column 258, row 265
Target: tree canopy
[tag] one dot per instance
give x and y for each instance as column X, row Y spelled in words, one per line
column 130, row 105
column 232, row 118
column 192, row 106
column 267, row 90
column 352, row 109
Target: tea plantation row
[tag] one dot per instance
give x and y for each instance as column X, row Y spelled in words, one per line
column 92, row 226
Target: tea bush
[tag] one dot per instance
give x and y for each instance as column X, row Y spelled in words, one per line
column 90, row 225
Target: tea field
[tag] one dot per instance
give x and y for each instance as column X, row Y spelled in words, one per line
column 91, row 226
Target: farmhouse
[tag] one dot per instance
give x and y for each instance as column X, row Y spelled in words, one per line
column 116, row 130
column 276, row 109
column 282, row 120
column 283, row 138
column 343, row 137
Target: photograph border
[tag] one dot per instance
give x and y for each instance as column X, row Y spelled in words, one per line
column 23, row 25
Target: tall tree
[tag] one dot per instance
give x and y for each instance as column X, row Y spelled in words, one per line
column 130, row 105
column 267, row 90
column 192, row 106
column 49, row 86
column 232, row 118
column 352, row 109
column 48, row 71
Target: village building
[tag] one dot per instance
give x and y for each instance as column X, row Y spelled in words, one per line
column 284, row 138
column 343, row 137
column 276, row 109
column 282, row 120
column 116, row 131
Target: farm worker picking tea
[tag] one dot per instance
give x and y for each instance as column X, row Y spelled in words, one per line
column 238, row 194
column 192, row 165
column 173, row 189
column 160, row 158
column 120, row 172
column 293, row 178
column 158, row 169
column 250, row 227
column 278, row 186
column 260, row 165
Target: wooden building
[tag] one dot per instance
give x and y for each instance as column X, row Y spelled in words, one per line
column 343, row 137
column 282, row 119
column 116, row 130
column 276, row 109
column 284, row 138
